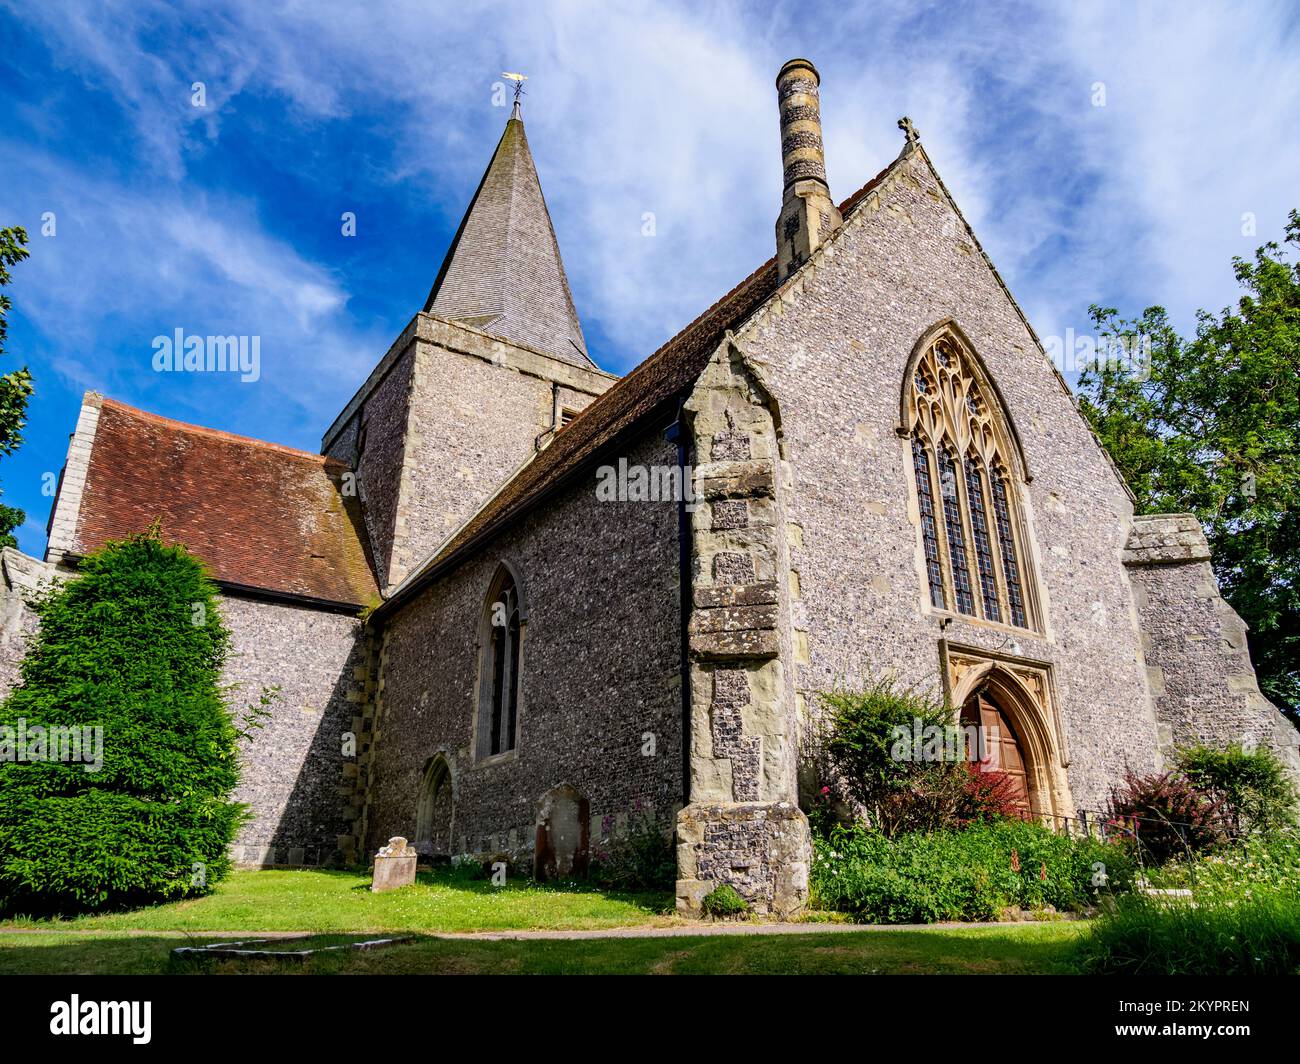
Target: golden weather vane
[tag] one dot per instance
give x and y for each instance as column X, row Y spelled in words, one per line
column 519, row 80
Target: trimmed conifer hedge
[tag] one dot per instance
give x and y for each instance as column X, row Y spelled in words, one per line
column 134, row 645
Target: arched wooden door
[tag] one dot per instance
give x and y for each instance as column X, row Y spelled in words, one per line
column 1002, row 751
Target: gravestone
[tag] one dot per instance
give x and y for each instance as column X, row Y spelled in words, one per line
column 563, row 834
column 394, row 866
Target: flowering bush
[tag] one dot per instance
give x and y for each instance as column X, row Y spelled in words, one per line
column 1252, row 786
column 857, row 747
column 1167, row 815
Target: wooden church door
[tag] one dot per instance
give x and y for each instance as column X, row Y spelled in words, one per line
column 1002, row 749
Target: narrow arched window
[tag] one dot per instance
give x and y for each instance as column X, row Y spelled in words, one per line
column 961, row 457
column 500, row 674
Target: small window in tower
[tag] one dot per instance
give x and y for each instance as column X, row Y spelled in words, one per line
column 566, row 416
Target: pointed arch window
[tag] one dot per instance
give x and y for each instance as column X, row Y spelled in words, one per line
column 499, row 676
column 962, row 455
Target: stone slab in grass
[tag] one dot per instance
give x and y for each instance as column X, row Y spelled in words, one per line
column 289, row 949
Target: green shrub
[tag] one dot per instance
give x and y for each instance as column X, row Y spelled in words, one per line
column 723, row 901
column 1253, row 788
column 1256, row 935
column 641, row 858
column 969, row 874
column 866, row 743
column 134, row 646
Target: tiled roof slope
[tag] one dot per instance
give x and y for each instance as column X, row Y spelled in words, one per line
column 653, row 383
column 503, row 272
column 260, row 515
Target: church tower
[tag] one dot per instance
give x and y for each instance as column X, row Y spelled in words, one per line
column 503, row 273
column 479, row 381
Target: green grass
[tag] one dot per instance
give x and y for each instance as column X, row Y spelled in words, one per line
column 333, row 906
column 997, row 949
column 342, row 902
column 299, row 943
column 1251, row 935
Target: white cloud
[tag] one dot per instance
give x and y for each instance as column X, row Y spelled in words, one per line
column 669, row 108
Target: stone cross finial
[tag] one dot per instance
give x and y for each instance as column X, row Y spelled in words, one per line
column 909, row 131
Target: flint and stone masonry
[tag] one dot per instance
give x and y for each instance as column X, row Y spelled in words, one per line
column 743, row 826
column 668, row 653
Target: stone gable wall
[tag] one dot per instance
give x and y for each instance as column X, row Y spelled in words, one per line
column 834, row 349
column 601, row 668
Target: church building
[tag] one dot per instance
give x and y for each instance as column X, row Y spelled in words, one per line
column 515, row 599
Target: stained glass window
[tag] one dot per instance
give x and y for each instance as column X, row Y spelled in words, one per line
column 960, row 444
column 1010, row 565
column 929, row 530
column 952, row 524
column 983, row 546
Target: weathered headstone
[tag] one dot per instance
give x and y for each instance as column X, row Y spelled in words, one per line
column 563, row 837
column 394, row 866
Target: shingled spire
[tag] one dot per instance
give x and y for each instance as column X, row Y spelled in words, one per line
column 503, row 273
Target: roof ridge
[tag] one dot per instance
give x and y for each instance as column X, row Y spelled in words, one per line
column 586, row 435
column 203, row 430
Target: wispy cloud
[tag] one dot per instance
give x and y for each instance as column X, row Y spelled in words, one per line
column 644, row 117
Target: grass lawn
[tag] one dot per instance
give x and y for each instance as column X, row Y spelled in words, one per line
column 331, row 903
column 997, row 949
column 275, row 900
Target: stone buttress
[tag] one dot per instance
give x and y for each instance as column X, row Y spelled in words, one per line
column 1198, row 664
column 743, row 825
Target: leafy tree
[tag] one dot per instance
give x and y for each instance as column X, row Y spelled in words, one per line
column 134, row 645
column 16, row 385
column 1214, row 429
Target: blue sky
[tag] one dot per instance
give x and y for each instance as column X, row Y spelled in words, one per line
column 225, row 218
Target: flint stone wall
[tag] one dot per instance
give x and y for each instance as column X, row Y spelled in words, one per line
column 294, row 769
column 600, row 672
column 1197, row 657
column 833, row 349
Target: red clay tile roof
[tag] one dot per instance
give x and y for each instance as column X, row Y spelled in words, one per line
column 260, row 515
column 653, row 383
